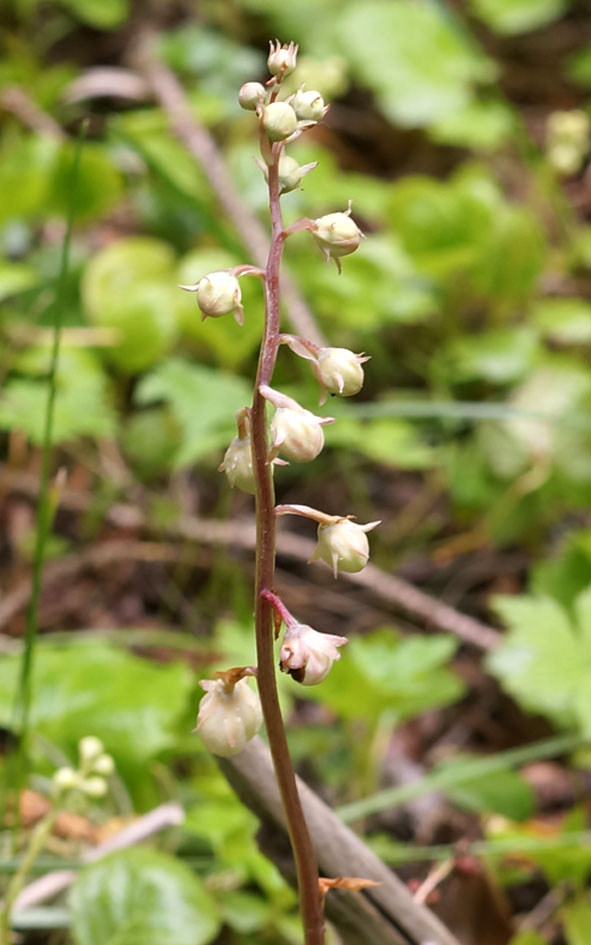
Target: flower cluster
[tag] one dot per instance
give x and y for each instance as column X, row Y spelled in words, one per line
column 95, row 766
column 230, row 713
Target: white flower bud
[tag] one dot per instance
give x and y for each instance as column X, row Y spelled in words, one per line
column 94, row 787
column 282, row 59
column 65, row 779
column 339, row 371
column 308, row 106
column 251, row 95
column 237, row 465
column 104, row 765
column 308, row 655
column 297, row 434
column 336, row 234
column 90, row 748
column 279, row 121
column 219, row 294
column 290, row 172
column 227, row 720
column 343, row 544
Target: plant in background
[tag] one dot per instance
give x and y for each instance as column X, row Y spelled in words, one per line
column 229, row 714
column 70, row 788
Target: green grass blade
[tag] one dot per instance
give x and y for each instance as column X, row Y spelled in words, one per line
column 46, row 506
column 459, row 774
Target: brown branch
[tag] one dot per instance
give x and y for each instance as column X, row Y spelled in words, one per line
column 16, row 101
column 197, row 139
column 383, row 915
column 241, row 535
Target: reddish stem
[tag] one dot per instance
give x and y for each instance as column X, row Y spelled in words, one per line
column 307, row 871
column 276, row 602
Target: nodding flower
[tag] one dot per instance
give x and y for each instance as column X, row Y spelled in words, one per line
column 229, row 715
column 308, row 655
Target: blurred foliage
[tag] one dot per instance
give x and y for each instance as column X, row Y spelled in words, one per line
column 470, row 293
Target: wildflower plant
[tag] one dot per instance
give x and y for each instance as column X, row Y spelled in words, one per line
column 231, row 712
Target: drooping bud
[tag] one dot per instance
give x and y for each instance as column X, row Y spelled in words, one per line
column 282, row 59
column 94, row 787
column 568, row 137
column 308, row 105
column 229, row 715
column 343, row 544
column 65, row 779
column 104, row 765
column 339, row 371
column 237, row 465
column 337, row 235
column 295, row 432
column 90, row 748
column 279, row 121
column 290, row 172
column 218, row 293
column 251, row 95
column 308, row 655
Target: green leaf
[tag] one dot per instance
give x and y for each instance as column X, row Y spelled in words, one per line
column 568, row 573
column 479, row 125
column 99, row 185
column 15, row 278
column 122, row 265
column 382, row 673
column 577, row 920
column 500, row 356
column 517, row 16
column 505, row 792
column 132, row 704
column 102, row 14
column 544, row 659
column 564, row 320
column 82, row 404
column 202, row 400
column 414, row 56
column 393, row 442
column 142, row 897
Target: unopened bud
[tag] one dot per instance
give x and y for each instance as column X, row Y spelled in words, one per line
column 339, row 371
column 218, row 294
column 297, row 434
column 251, row 95
column 279, row 121
column 282, row 59
column 65, row 779
column 237, row 465
column 229, row 716
column 343, row 544
column 94, row 787
column 308, row 655
column 336, row 234
column 104, row 765
column 290, row 172
column 90, row 748
column 308, row 106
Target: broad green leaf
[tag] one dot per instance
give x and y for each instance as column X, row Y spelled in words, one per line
column 132, row 704
column 15, row 278
column 544, row 659
column 82, row 406
column 120, row 266
column 568, row 573
column 142, row 897
column 528, row 938
column 577, row 920
column 102, row 14
column 393, row 442
column 202, row 400
column 564, row 320
column 500, row 356
column 382, row 673
column 387, row 46
column 505, row 792
column 479, row 125
column 26, row 166
column 579, row 66
column 517, row 16
column 99, row 183
column 144, row 319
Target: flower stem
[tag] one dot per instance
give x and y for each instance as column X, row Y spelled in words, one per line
column 307, row 870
